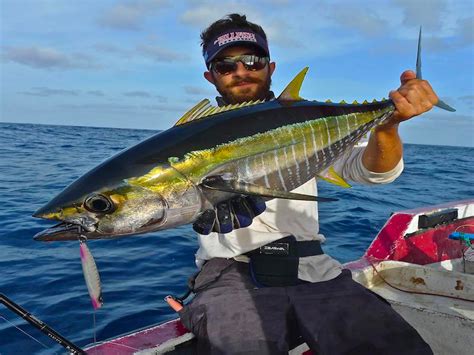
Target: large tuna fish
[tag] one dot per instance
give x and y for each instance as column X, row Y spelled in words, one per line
column 211, row 154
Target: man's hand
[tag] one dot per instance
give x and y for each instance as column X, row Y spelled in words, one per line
column 229, row 215
column 412, row 98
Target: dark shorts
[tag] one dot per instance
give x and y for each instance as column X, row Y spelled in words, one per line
column 229, row 315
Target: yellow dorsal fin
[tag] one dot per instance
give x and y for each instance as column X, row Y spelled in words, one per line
column 328, row 101
column 292, row 91
column 343, row 102
column 205, row 109
column 188, row 115
column 355, row 102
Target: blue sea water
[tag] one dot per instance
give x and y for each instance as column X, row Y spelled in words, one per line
column 38, row 161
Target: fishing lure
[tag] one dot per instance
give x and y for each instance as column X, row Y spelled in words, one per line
column 91, row 275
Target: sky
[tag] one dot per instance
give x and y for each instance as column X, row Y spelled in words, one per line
column 138, row 63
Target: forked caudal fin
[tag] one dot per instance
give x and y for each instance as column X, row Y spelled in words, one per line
column 441, row 104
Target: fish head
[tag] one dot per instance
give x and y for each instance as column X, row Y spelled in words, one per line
column 161, row 199
column 103, row 214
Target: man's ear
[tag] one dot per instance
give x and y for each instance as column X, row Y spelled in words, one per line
column 272, row 67
column 209, row 77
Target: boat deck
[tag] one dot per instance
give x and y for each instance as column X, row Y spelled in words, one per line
column 436, row 299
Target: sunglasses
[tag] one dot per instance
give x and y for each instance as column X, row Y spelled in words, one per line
column 228, row 65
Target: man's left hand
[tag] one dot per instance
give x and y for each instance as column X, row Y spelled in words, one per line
column 413, row 97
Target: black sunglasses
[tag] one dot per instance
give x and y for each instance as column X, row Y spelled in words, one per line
column 228, row 65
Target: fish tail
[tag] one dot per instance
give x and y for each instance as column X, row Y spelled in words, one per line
column 441, row 104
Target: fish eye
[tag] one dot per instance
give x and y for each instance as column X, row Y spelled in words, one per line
column 98, row 203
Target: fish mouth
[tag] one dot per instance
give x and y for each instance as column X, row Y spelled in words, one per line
column 62, row 231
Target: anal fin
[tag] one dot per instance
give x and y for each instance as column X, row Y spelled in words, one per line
column 330, row 175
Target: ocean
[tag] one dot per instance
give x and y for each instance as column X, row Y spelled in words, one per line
column 38, row 161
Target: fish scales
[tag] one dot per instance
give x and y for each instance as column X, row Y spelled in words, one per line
column 289, row 149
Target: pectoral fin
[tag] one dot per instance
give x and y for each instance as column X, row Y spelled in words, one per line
column 332, row 177
column 239, row 187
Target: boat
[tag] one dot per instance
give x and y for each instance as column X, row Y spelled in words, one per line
column 413, row 262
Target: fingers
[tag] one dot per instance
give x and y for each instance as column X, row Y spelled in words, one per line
column 257, row 204
column 245, row 209
column 236, row 213
column 243, row 212
column 224, row 221
column 413, row 98
column 205, row 223
column 406, row 76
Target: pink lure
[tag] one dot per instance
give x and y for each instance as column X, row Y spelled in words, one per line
column 91, row 275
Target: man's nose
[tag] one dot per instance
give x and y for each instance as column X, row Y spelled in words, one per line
column 240, row 69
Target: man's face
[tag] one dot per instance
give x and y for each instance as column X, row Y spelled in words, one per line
column 241, row 85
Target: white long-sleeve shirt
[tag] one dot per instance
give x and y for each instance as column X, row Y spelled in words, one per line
column 290, row 217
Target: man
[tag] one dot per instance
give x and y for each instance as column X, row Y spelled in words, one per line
column 258, row 306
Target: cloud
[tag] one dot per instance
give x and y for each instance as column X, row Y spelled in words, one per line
column 201, row 16
column 48, row 58
column 359, row 18
column 45, row 92
column 466, row 29
column 161, row 98
column 281, row 33
column 160, row 54
column 428, row 13
column 197, row 90
column 100, row 107
column 165, row 108
column 468, row 100
column 131, row 14
column 206, row 12
column 95, row 93
column 111, row 49
column 145, row 94
column 137, row 94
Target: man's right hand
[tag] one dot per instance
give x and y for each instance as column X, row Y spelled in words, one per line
column 235, row 213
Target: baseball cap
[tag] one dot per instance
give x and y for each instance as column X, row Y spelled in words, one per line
column 234, row 37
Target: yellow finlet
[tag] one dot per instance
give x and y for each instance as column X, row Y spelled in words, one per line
column 328, row 101
column 292, row 91
column 365, row 102
column 355, row 102
column 343, row 102
column 332, row 177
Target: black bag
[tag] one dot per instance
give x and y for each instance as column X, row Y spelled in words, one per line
column 276, row 263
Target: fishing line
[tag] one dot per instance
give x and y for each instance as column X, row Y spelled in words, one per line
column 94, row 327
column 21, row 330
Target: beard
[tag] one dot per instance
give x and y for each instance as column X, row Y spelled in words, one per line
column 261, row 92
